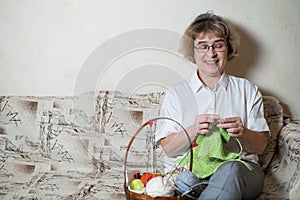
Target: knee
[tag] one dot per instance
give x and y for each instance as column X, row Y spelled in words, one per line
column 234, row 166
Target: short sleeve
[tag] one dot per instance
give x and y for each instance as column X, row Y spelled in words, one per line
column 256, row 120
column 170, row 109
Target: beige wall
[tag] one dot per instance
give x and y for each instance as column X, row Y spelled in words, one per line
column 44, row 44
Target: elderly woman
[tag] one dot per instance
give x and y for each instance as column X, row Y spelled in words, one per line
column 212, row 95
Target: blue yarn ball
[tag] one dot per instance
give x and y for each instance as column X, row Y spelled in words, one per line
column 185, row 181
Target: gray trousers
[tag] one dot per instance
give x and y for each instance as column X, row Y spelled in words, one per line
column 233, row 181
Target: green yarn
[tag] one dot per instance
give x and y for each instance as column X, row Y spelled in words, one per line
column 210, row 153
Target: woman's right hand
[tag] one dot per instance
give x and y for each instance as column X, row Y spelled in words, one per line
column 203, row 121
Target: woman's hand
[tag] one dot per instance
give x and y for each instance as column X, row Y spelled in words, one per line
column 252, row 141
column 233, row 126
column 203, row 121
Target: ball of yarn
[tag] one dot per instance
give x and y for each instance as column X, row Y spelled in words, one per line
column 160, row 186
column 185, row 181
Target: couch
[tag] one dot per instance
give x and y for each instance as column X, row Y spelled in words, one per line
column 74, row 147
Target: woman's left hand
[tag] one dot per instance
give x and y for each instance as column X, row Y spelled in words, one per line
column 233, row 126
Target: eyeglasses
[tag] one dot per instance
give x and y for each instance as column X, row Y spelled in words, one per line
column 216, row 47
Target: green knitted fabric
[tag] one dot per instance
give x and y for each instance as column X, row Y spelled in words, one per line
column 210, row 153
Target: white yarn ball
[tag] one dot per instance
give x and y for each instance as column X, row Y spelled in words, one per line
column 160, row 186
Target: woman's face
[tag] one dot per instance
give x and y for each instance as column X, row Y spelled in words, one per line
column 210, row 54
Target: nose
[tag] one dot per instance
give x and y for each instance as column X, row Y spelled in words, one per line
column 211, row 52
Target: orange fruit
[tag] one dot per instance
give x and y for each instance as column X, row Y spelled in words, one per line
column 146, row 177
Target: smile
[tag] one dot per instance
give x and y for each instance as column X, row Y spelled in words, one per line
column 211, row 62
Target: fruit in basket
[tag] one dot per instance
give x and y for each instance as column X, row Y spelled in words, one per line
column 147, row 177
column 136, row 184
column 155, row 175
column 137, row 175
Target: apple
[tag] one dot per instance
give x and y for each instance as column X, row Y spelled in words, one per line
column 136, row 184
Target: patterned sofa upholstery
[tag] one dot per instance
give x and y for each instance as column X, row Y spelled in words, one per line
column 73, row 147
column 281, row 159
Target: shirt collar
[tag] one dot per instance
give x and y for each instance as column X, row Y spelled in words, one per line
column 224, row 80
column 196, row 84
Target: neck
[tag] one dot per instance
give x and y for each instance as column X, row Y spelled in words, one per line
column 208, row 80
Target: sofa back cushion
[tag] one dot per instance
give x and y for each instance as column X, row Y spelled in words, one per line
column 274, row 117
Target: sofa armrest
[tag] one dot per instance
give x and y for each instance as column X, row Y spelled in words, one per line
column 290, row 140
column 283, row 178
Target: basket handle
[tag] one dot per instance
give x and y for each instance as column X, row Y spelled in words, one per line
column 149, row 122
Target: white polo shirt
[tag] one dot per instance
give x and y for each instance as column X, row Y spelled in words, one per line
column 231, row 97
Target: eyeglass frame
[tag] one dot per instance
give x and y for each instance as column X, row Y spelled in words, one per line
column 210, row 46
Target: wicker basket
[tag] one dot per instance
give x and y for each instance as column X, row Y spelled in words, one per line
column 136, row 196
